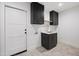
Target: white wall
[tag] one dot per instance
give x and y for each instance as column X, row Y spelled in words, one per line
column 0, row 29
column 68, row 29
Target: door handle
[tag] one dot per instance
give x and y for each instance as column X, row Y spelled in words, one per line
column 25, row 29
column 25, row 32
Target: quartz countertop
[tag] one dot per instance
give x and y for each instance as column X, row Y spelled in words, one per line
column 49, row 32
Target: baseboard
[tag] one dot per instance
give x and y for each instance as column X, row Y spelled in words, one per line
column 19, row 53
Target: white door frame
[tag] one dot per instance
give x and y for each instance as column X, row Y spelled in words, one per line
column 3, row 27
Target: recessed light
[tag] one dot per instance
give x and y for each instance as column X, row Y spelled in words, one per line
column 60, row 4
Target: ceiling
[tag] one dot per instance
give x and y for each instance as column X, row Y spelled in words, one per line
column 54, row 5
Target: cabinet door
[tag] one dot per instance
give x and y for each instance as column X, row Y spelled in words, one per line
column 53, row 40
column 53, row 18
column 33, row 13
column 41, row 14
column 37, row 13
column 45, row 40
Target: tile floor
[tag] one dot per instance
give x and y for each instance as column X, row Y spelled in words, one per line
column 60, row 50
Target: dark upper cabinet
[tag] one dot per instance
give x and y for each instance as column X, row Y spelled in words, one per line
column 37, row 13
column 53, row 18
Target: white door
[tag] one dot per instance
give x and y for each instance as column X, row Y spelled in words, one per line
column 15, row 23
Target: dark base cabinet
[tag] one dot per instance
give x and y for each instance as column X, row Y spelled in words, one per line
column 49, row 41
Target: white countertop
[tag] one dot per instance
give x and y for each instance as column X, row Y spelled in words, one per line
column 49, row 32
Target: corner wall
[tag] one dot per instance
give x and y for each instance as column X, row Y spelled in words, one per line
column 68, row 29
